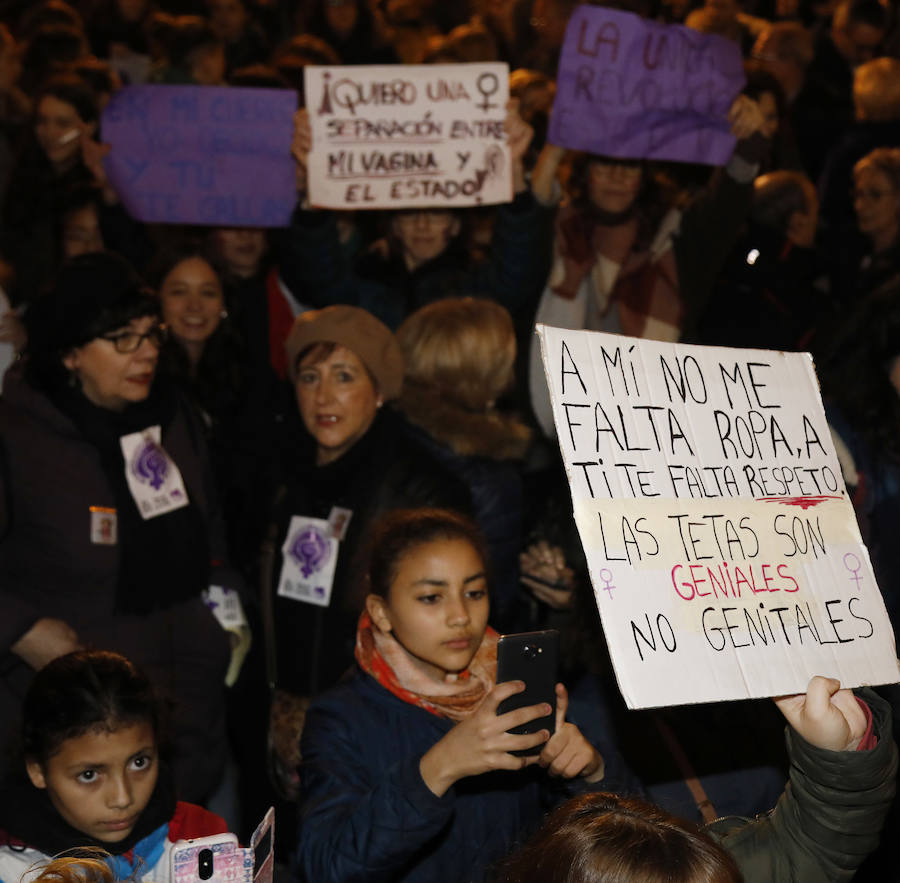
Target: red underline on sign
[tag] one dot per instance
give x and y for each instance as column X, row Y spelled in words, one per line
column 802, row 502
column 374, row 175
column 386, row 140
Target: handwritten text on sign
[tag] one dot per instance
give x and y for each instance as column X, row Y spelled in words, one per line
column 724, row 553
column 408, row 136
column 202, row 154
column 628, row 87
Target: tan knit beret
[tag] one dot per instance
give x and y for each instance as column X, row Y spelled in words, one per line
column 359, row 331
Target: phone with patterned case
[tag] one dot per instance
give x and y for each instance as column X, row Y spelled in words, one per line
column 215, row 859
column 262, row 845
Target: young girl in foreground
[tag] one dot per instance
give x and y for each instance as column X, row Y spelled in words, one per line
column 407, row 772
column 94, row 776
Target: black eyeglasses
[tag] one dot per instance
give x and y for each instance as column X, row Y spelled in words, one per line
column 130, row 341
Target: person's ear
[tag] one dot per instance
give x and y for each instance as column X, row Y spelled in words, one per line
column 376, row 607
column 455, row 227
column 71, row 361
column 35, row 773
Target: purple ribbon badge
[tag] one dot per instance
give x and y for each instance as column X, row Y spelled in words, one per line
column 311, row 550
column 150, row 464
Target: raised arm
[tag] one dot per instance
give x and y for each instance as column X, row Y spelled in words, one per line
column 830, row 816
column 522, row 245
column 312, row 263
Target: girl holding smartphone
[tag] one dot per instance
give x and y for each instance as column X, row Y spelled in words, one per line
column 407, row 767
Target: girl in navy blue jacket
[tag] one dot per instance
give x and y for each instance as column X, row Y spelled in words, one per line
column 407, row 768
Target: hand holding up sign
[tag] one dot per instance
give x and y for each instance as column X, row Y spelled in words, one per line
column 518, row 136
column 301, row 144
column 745, row 117
column 825, row 715
column 747, row 123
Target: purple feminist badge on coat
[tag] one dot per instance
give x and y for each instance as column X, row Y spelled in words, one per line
column 150, row 464
column 311, row 550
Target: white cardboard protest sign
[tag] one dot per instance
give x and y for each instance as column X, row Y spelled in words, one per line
column 408, row 136
column 723, row 549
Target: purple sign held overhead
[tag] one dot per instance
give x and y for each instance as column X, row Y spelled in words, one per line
column 633, row 88
column 202, row 154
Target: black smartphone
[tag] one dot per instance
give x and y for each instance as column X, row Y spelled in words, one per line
column 532, row 657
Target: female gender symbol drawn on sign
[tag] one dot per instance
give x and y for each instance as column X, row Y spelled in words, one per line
column 487, row 84
column 853, row 570
column 606, row 576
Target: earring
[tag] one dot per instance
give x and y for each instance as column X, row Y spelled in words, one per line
column 223, row 314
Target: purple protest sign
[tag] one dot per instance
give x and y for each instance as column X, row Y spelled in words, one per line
column 628, row 87
column 202, row 154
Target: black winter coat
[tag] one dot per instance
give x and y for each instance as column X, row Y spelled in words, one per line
column 384, row 470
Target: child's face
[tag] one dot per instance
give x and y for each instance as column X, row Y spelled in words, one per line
column 101, row 782
column 437, row 607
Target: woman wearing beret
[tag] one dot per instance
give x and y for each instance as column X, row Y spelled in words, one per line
column 353, row 459
column 107, row 529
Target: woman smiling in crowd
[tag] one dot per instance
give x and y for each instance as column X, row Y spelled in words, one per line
column 65, row 116
column 104, row 467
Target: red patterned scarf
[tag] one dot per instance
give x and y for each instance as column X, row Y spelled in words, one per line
column 385, row 659
column 646, row 292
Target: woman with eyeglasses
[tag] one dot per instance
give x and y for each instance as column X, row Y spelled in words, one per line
column 108, row 532
column 876, row 201
column 865, row 265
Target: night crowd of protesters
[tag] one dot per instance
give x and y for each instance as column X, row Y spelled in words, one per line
column 377, row 373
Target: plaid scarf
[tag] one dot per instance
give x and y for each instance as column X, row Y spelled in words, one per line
column 380, row 655
column 646, row 292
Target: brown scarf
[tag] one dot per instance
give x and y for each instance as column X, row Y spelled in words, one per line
column 380, row 655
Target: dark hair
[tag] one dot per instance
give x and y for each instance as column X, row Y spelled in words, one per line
column 82, row 692
column 173, row 252
column 92, row 295
column 73, row 90
column 75, row 198
column 220, row 378
column 605, row 838
column 867, row 12
column 397, row 533
column 50, row 12
column 258, row 76
column 465, row 43
column 97, row 74
column 50, row 51
column 777, row 196
column 180, row 36
column 80, row 195
column 654, row 198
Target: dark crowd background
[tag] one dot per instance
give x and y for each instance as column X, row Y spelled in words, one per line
column 794, row 245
